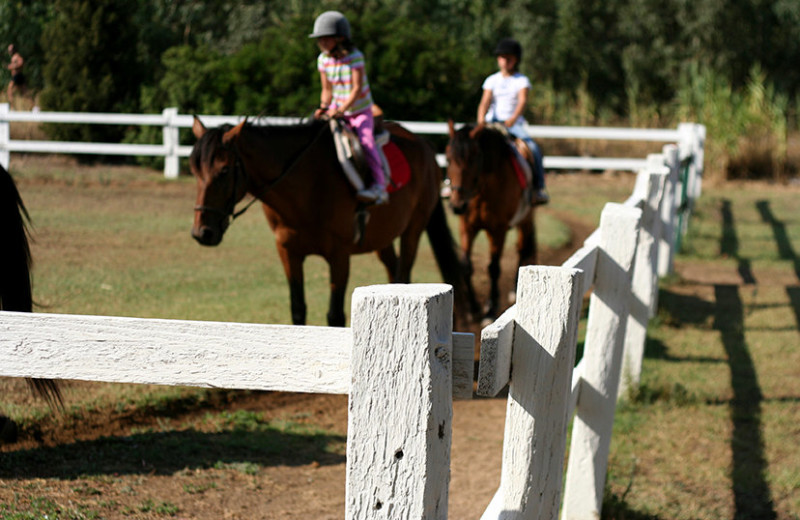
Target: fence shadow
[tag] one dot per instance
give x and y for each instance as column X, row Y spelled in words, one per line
column 168, row 452
column 785, row 249
column 729, row 243
column 748, row 473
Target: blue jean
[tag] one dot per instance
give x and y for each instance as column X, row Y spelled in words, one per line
column 518, row 130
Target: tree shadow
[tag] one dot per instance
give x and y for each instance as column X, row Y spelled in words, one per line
column 165, row 453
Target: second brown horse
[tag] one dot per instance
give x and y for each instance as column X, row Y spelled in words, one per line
column 486, row 193
column 311, row 207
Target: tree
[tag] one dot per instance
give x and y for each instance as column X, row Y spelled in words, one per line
column 91, row 66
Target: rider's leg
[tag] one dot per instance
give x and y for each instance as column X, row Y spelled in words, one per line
column 363, row 125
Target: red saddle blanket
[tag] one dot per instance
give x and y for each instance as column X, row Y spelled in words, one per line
column 401, row 172
column 515, row 159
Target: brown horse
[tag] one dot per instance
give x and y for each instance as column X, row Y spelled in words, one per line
column 486, row 194
column 15, row 277
column 312, row 208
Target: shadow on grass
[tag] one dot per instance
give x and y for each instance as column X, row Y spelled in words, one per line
column 167, row 452
column 785, row 249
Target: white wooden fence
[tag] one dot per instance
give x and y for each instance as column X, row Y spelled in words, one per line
column 170, row 122
column 402, row 364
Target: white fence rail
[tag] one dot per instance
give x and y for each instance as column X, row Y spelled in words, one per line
column 398, row 456
column 171, row 122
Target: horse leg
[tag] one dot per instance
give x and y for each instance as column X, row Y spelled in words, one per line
column 497, row 240
column 526, row 250
column 339, row 274
column 293, row 268
column 467, row 239
column 388, row 258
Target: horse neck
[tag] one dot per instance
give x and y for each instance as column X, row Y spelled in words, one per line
column 272, row 152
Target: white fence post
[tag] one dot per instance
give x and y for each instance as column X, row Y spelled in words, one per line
column 548, row 310
column 602, row 359
column 171, row 143
column 5, row 136
column 400, row 411
column 645, row 279
column 666, row 248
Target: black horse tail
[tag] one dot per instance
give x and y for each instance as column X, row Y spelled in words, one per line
column 454, row 270
column 15, row 282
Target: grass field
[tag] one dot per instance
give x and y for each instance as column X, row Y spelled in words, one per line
column 711, row 433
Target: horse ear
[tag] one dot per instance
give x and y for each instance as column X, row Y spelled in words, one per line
column 451, row 128
column 233, row 133
column 198, row 129
column 475, row 132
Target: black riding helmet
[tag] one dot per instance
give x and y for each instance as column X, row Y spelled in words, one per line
column 509, row 46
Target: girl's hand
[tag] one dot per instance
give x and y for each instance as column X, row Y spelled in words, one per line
column 334, row 112
column 510, row 122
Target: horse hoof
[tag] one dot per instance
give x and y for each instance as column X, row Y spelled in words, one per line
column 486, row 321
column 512, row 297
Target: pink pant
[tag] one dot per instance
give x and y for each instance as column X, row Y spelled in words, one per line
column 363, row 124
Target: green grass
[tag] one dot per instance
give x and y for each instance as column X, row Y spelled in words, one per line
column 712, row 430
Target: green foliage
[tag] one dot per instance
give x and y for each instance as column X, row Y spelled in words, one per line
column 91, row 64
column 21, row 23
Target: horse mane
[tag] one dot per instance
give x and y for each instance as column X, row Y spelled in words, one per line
column 492, row 145
column 211, row 141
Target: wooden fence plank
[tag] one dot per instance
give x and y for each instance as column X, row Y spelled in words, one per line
column 176, row 352
column 536, row 421
column 605, row 332
column 400, row 411
column 645, row 280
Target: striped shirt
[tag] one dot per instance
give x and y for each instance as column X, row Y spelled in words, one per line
column 340, row 73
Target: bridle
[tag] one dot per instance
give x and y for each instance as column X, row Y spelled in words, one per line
column 229, row 213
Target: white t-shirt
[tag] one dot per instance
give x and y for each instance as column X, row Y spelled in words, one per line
column 504, row 94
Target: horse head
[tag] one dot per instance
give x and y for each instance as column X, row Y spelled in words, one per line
column 221, row 180
column 463, row 165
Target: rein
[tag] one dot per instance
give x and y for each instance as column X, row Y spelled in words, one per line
column 238, row 165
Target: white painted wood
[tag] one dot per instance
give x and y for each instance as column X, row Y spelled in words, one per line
column 608, row 313
column 400, row 411
column 666, row 248
column 5, row 135
column 536, row 421
column 171, row 142
column 494, row 370
column 645, row 280
column 191, row 353
column 172, row 121
column 584, row 259
column 175, row 352
column 463, row 364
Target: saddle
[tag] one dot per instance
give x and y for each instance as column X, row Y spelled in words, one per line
column 351, row 155
column 522, row 160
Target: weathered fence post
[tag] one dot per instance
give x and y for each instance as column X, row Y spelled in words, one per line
column 400, row 412
column 669, row 208
column 5, row 136
column 171, row 143
column 602, row 360
column 645, row 278
column 548, row 309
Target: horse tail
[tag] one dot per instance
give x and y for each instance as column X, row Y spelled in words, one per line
column 15, row 282
column 453, row 269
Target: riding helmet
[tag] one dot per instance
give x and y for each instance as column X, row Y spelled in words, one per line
column 331, row 23
column 508, row 46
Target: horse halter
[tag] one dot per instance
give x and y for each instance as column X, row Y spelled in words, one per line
column 228, row 212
